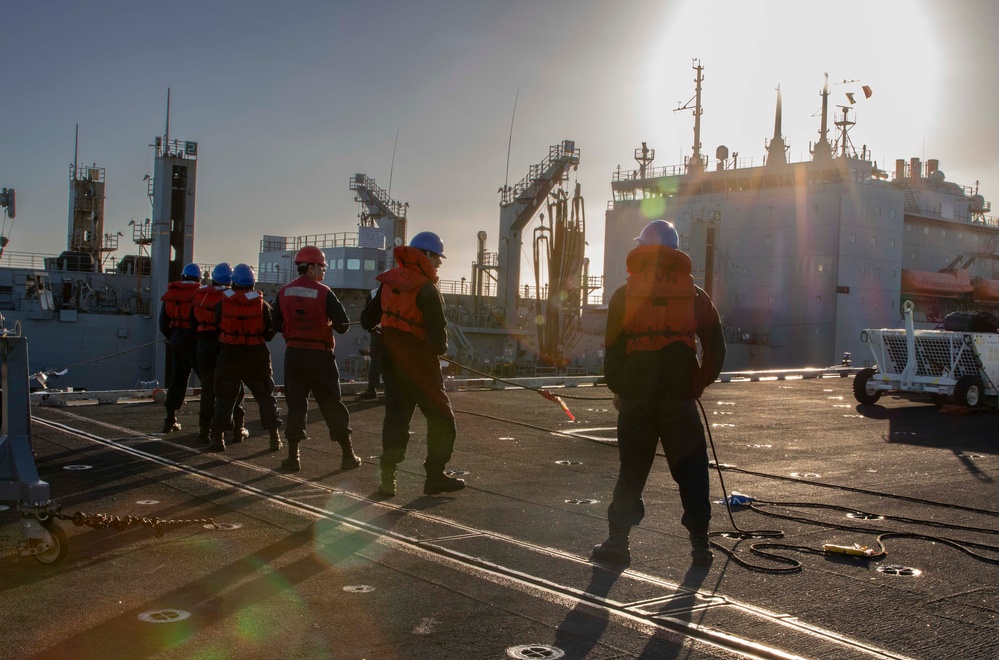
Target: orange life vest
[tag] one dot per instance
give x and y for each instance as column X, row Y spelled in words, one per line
column 205, row 300
column 179, row 299
column 399, row 288
column 659, row 299
column 242, row 318
column 303, row 309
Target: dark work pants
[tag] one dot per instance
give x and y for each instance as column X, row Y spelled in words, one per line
column 641, row 427
column 407, row 387
column 309, row 370
column 375, row 363
column 249, row 365
column 208, row 357
column 183, row 360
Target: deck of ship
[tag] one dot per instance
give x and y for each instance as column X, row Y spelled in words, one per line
column 316, row 564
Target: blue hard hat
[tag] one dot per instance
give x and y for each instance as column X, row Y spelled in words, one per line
column 429, row 241
column 191, row 272
column 242, row 275
column 222, row 274
column 659, row 232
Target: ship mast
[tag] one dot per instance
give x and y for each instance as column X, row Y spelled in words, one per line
column 822, row 151
column 843, row 140
column 776, row 150
column 696, row 164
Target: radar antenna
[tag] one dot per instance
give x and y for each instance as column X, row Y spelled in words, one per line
column 644, row 156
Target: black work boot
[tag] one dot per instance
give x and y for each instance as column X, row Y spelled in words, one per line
column 238, row 434
column 350, row 460
column 615, row 549
column 275, row 439
column 171, row 424
column 204, row 435
column 217, row 441
column 292, row 463
column 700, row 550
column 386, row 486
column 438, row 482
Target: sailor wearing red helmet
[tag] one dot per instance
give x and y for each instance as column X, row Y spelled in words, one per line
column 307, row 313
column 410, row 308
column 653, row 324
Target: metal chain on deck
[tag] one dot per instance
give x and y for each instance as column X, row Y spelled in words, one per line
column 106, row 521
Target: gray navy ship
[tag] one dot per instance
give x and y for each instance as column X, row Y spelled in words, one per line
column 799, row 257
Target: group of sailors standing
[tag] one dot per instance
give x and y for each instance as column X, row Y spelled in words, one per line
column 220, row 332
column 655, row 323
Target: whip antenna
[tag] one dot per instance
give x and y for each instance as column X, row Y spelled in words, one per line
column 506, row 179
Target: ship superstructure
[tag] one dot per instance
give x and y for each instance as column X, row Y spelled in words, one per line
column 799, row 258
column 90, row 318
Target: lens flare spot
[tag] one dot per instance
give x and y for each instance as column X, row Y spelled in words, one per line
column 653, row 207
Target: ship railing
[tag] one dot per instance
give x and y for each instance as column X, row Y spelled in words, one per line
column 24, row 260
column 338, row 239
column 464, row 287
column 710, row 164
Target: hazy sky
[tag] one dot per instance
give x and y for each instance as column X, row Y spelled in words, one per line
column 289, row 100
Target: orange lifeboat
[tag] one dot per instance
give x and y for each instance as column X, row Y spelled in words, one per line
column 986, row 291
column 947, row 283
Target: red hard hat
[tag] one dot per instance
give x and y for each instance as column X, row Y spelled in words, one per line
column 310, row 254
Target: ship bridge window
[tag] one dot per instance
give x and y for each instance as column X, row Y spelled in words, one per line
column 892, row 213
column 353, row 264
column 926, row 231
column 369, row 264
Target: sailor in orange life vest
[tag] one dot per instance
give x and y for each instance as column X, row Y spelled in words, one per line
column 410, row 309
column 205, row 300
column 175, row 324
column 245, row 323
column 651, row 367
column 307, row 312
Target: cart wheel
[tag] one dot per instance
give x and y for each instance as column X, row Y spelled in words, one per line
column 862, row 389
column 970, row 391
column 59, row 544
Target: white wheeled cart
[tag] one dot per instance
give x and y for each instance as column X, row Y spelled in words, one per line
column 947, row 365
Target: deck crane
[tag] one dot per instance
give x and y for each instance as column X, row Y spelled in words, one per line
column 378, row 209
column 518, row 206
